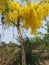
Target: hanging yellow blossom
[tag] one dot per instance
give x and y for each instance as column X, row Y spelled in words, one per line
column 47, row 1
column 15, row 6
column 7, row 18
column 32, row 15
column 1, row 6
column 33, row 31
column 14, row 16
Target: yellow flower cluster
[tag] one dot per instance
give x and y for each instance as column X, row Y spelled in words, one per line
column 1, row 6
column 15, row 6
column 47, row 0
column 32, row 15
column 4, row 5
column 13, row 13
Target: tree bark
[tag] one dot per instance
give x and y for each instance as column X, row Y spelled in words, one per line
column 22, row 44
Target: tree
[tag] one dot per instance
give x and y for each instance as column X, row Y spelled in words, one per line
column 31, row 15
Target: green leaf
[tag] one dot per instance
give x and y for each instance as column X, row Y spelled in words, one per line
column 6, row 7
column 22, row 0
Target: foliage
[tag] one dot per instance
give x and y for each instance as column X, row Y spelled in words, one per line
column 34, row 50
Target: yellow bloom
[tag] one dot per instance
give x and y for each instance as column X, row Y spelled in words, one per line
column 47, row 1
column 1, row 7
column 7, row 18
column 34, row 5
column 33, row 31
column 14, row 16
column 15, row 6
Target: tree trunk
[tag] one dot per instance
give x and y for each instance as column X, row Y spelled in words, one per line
column 22, row 45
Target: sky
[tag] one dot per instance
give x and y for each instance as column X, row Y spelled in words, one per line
column 8, row 32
